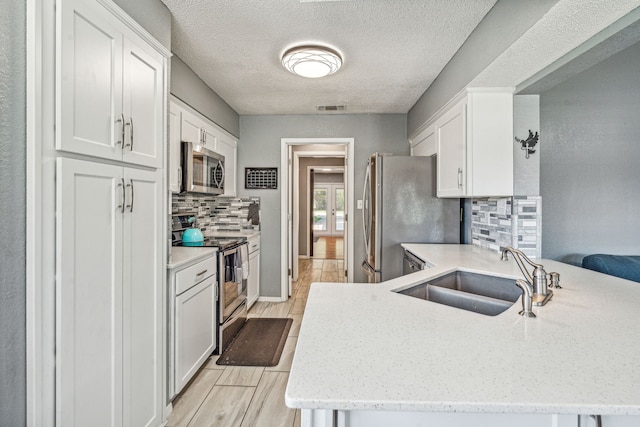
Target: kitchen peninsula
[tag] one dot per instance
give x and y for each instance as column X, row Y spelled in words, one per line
column 368, row 356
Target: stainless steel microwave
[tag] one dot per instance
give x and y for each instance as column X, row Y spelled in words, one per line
column 202, row 170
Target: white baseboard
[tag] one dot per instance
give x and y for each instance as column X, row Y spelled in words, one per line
column 271, row 299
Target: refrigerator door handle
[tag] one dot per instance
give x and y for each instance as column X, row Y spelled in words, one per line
column 365, row 210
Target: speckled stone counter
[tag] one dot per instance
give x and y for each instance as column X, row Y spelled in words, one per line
column 183, row 255
column 365, row 347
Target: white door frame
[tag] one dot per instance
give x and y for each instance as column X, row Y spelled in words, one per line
column 296, row 199
column 285, row 194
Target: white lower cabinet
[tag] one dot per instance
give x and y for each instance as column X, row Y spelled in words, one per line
column 194, row 329
column 110, row 235
column 324, row 418
column 253, row 283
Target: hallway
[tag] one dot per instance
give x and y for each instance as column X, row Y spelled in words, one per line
column 236, row 396
column 328, row 247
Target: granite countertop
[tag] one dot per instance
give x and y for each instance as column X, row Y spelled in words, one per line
column 182, row 255
column 364, row 347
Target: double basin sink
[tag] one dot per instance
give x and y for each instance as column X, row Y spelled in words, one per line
column 480, row 293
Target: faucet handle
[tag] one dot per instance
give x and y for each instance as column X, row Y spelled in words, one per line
column 527, row 298
column 554, row 280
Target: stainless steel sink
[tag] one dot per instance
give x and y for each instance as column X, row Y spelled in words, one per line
column 480, row 293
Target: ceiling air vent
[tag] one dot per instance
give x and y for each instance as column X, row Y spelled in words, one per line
column 330, row 107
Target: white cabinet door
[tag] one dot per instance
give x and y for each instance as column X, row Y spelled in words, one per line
column 109, row 295
column 88, row 81
column 191, row 130
column 490, row 143
column 109, row 87
column 89, row 294
column 143, row 104
column 143, row 239
column 209, row 136
column 451, row 159
column 253, row 283
column 194, row 330
column 175, row 170
column 424, row 144
column 228, row 148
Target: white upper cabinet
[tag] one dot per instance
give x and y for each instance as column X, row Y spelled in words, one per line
column 198, row 130
column 227, row 146
column 188, row 125
column 451, row 145
column 109, row 87
column 424, row 144
column 175, row 169
column 474, row 142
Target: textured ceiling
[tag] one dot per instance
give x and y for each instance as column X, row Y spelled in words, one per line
column 392, row 49
column 562, row 33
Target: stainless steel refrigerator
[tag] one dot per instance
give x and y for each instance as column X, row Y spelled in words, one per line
column 400, row 206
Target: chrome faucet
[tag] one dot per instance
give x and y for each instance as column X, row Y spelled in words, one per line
column 541, row 294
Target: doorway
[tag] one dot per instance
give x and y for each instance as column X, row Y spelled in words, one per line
column 292, row 222
column 327, row 204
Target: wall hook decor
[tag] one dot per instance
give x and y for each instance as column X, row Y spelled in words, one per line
column 528, row 144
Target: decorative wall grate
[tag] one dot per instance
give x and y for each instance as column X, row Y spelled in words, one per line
column 261, row 178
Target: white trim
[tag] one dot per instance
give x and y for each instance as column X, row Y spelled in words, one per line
column 33, row 214
column 135, row 26
column 269, row 299
column 284, row 145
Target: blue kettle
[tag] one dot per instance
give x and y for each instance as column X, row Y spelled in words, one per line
column 192, row 236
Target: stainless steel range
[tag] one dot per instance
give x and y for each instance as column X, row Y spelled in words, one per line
column 232, row 274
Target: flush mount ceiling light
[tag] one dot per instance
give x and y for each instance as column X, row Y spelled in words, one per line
column 311, row 61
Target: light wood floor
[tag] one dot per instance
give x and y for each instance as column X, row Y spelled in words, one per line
column 329, row 247
column 236, row 396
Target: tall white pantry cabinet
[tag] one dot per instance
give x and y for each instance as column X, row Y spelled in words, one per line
column 111, row 102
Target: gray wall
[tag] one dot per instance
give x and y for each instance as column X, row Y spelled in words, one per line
column 590, row 162
column 188, row 87
column 260, row 146
column 12, row 211
column 526, row 172
column 303, row 232
column 503, row 25
column 152, row 15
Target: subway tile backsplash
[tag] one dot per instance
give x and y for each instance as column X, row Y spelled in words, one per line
column 219, row 213
column 512, row 221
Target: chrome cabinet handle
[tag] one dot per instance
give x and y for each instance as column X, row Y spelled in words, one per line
column 130, row 205
column 128, row 144
column 179, row 177
column 459, row 177
column 121, row 205
column 131, row 133
column 121, row 120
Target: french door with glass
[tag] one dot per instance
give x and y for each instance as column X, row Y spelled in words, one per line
column 328, row 210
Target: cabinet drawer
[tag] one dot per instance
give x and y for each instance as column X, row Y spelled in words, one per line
column 254, row 244
column 188, row 277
